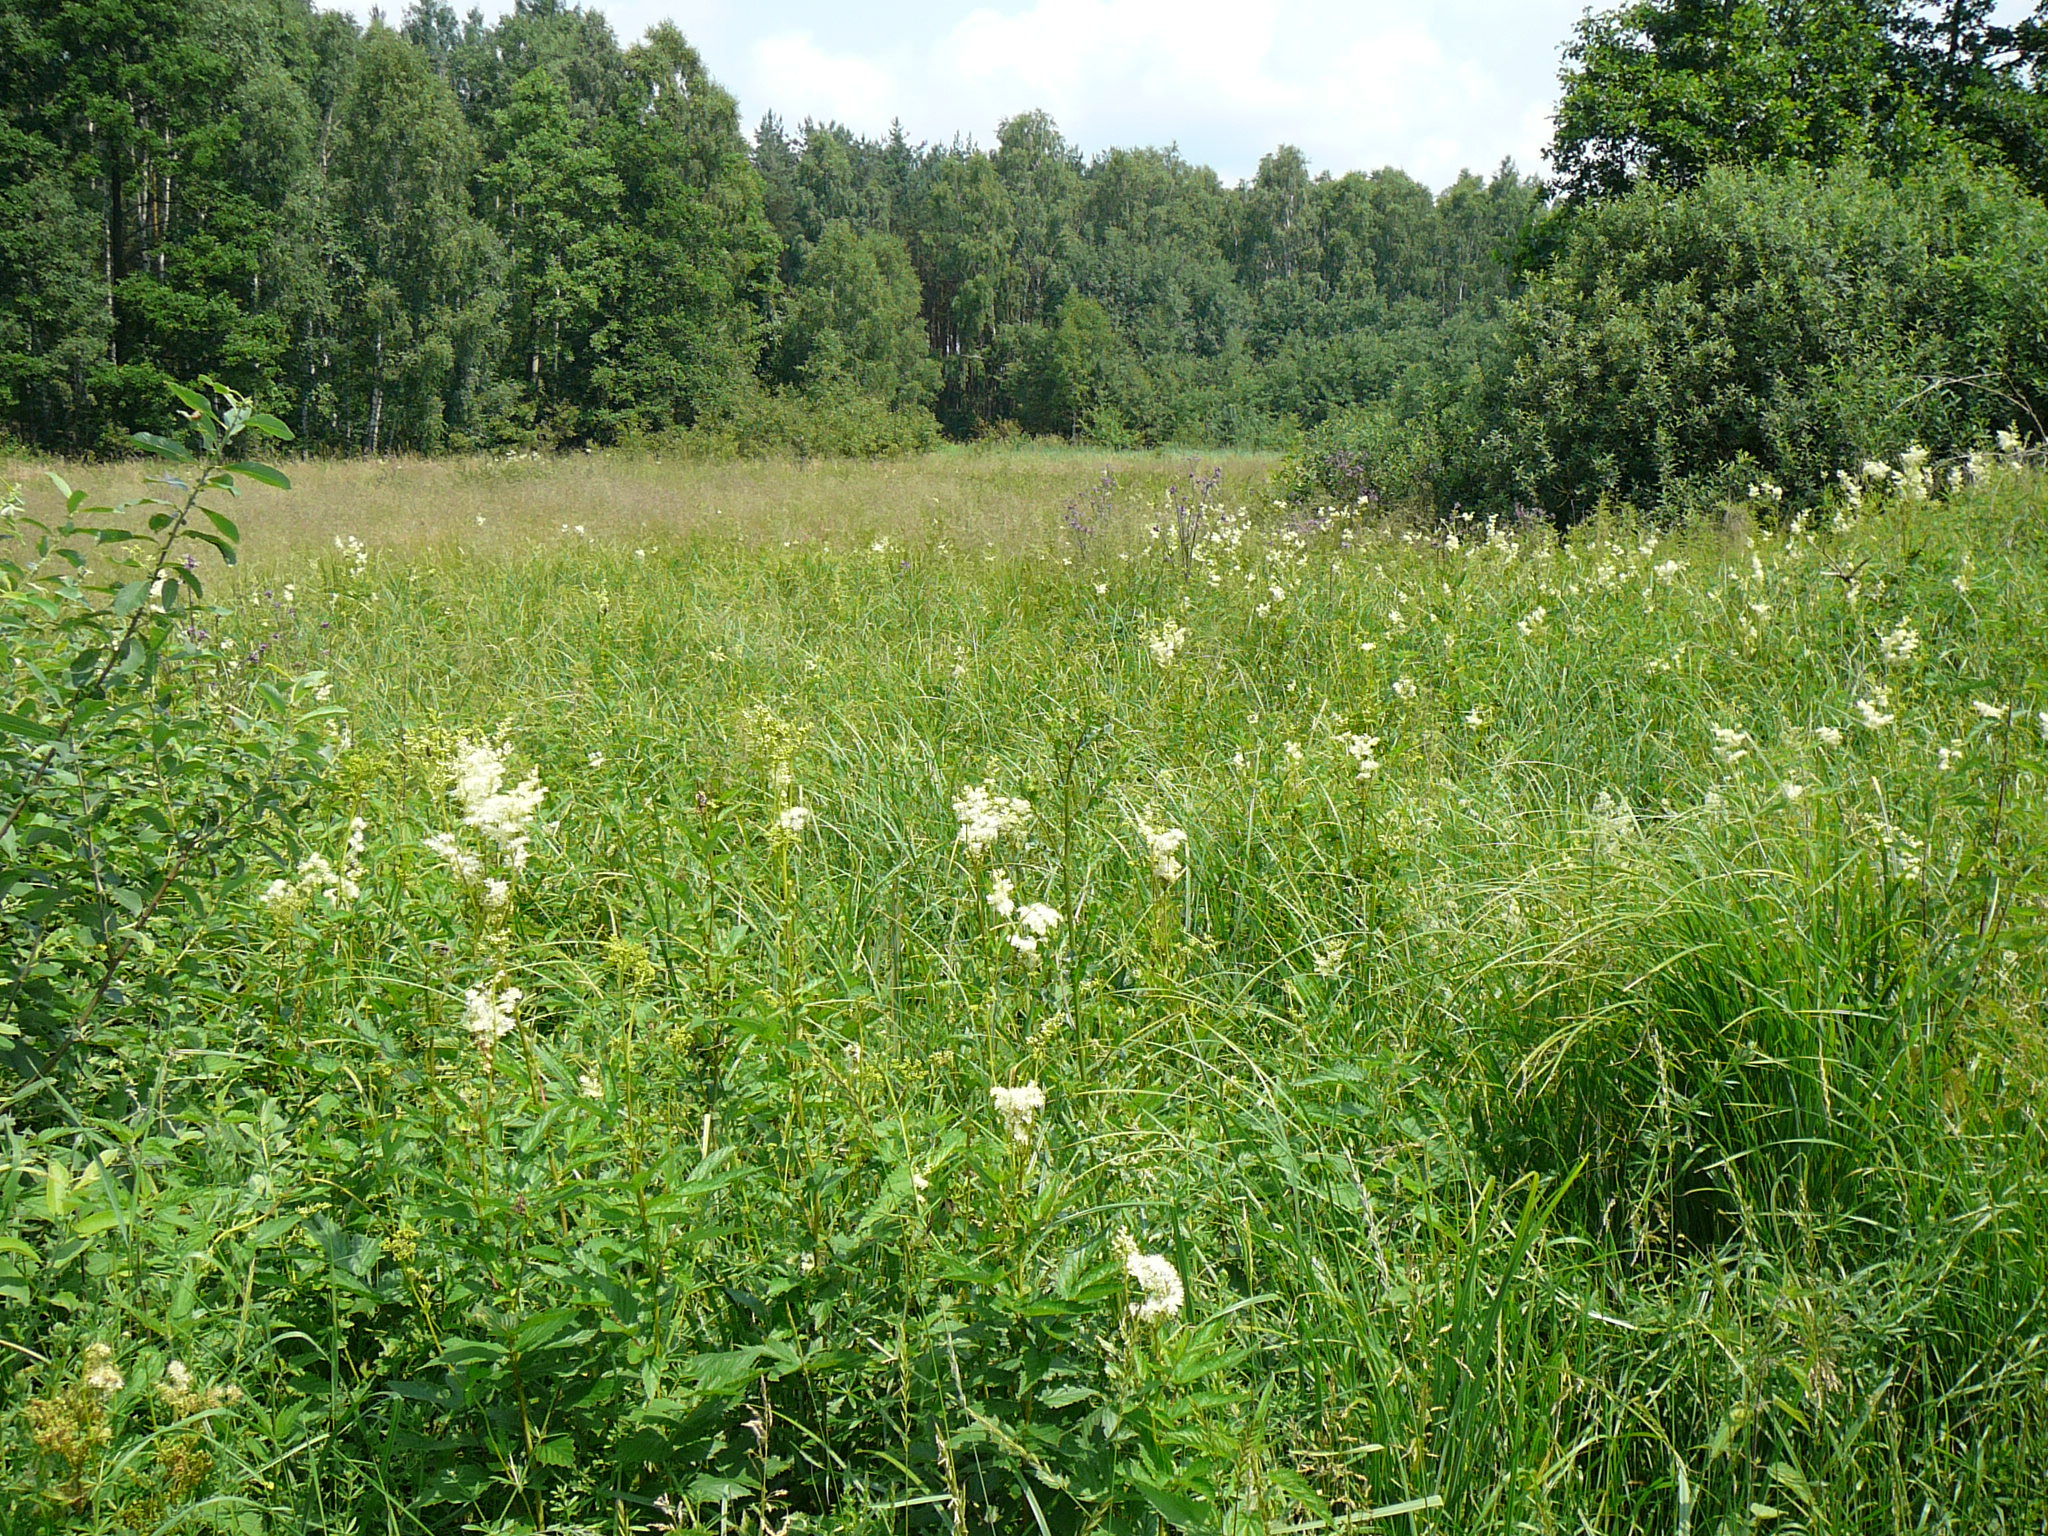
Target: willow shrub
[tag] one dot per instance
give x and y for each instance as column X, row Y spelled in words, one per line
column 1777, row 324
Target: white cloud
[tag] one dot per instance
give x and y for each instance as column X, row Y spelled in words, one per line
column 1356, row 84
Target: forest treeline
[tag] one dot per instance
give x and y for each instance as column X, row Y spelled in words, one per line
column 455, row 234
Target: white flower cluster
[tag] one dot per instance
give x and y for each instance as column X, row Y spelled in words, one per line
column 793, row 823
column 1901, row 643
column 1531, row 621
column 1732, row 746
column 1161, row 1294
column 1162, row 844
column 986, row 819
column 1875, row 711
column 320, row 881
column 1019, row 1109
column 1363, row 750
column 491, row 1013
column 1034, row 920
column 502, row 815
column 1166, row 645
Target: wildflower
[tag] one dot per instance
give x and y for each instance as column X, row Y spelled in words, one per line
column 502, row 815
column 1946, row 758
column 465, row 865
column 100, row 1374
column 985, row 819
column 1989, row 711
column 1901, row 642
column 1792, row 792
column 1019, row 1107
column 497, row 895
column 317, row 880
column 794, row 822
column 1362, row 750
column 595, row 760
column 1165, row 645
column 1162, row 843
column 1961, row 580
column 1475, row 718
column 1002, row 893
column 1102, row 589
column 1730, row 745
column 1828, row 735
column 1614, row 821
column 1329, row 959
column 588, row 1085
column 1292, row 749
column 1874, row 712
column 1404, row 688
column 1156, row 1278
column 1038, row 918
column 1531, row 621
column 185, row 1399
column 490, row 1013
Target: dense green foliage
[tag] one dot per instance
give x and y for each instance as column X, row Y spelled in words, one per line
column 1569, row 1013
column 134, row 774
column 456, row 235
column 1663, row 89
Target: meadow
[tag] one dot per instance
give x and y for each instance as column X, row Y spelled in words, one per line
column 971, row 996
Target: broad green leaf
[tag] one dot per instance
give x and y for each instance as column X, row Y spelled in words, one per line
column 162, row 447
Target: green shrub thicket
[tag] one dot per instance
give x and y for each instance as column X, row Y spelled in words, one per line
column 1566, row 1011
column 1764, row 324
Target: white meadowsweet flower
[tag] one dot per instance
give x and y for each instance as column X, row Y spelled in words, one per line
column 502, row 815
column 497, row 894
column 589, row 1086
column 1532, row 621
column 1002, row 892
column 1731, row 745
column 1828, row 735
column 1161, row 1293
column 1362, row 749
column 1792, row 792
column 1329, row 958
column 1875, row 711
column 465, row 865
column 1162, row 844
column 795, row 821
column 1166, row 645
column 1988, row 711
column 1404, row 688
column 986, row 818
column 1901, row 643
column 100, row 1374
column 1038, row 919
column 1019, row 1109
column 1475, row 718
column 490, row 1013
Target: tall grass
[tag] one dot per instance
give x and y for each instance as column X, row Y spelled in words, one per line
column 1562, row 1117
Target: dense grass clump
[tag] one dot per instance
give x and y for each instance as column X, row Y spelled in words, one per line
column 1528, row 1035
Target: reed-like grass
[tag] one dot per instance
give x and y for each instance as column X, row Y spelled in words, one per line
column 1562, row 1117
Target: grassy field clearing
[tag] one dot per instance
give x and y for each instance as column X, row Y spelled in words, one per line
column 1006, row 496
column 788, row 1018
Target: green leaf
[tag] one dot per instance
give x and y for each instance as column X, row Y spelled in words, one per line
column 270, row 426
column 261, row 473
column 1174, row 1508
column 222, row 524
column 162, row 447
column 33, row 730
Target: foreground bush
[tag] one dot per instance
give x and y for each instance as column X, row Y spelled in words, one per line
column 1218, row 1026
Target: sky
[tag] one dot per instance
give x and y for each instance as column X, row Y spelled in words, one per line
column 1433, row 88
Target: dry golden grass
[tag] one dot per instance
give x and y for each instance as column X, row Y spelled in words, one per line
column 1008, row 498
